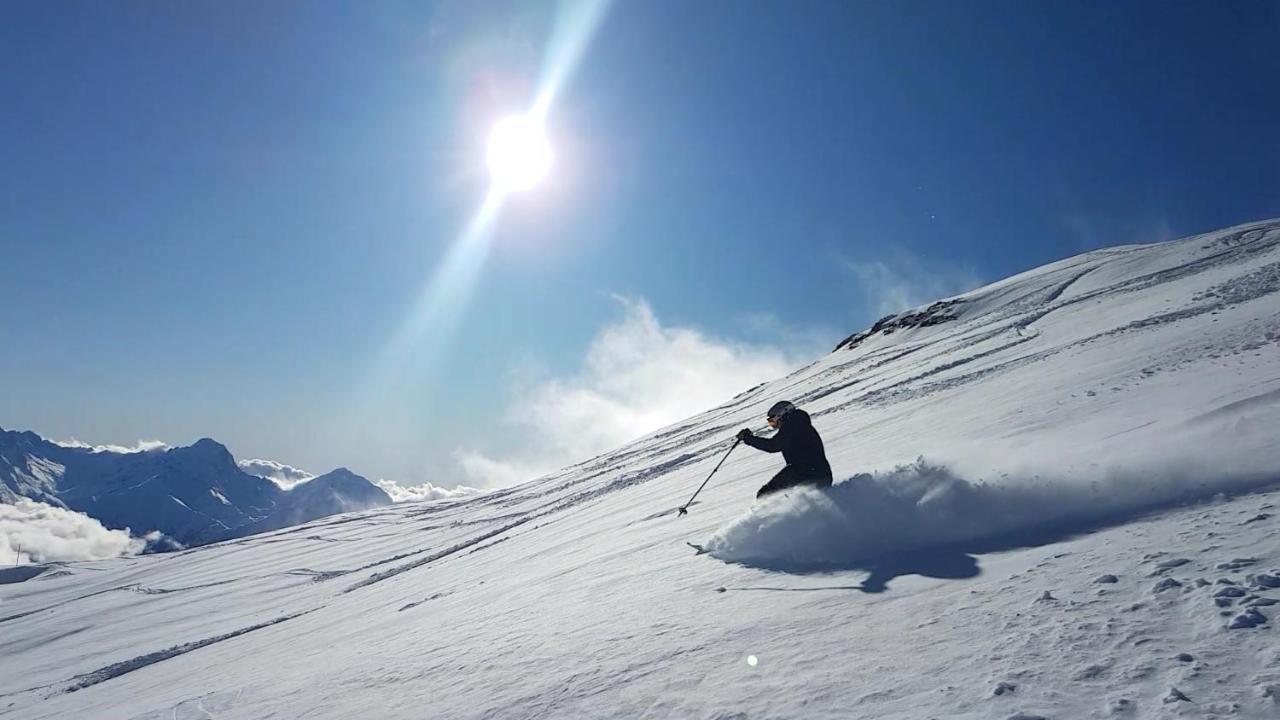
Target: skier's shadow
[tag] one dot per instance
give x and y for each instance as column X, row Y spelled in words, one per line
column 946, row 562
column 939, row 563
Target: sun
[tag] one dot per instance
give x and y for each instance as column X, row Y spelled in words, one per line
column 519, row 154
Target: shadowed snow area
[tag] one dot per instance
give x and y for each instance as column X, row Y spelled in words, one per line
column 1091, row 533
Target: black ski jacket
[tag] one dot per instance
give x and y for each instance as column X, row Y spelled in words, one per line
column 798, row 442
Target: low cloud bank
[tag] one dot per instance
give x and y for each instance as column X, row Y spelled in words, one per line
column 637, row 376
column 140, row 446
column 923, row 505
column 33, row 532
column 425, row 491
column 286, row 476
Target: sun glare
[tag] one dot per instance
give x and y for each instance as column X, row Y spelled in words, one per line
column 519, row 154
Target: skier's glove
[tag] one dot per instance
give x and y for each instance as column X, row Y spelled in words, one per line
column 745, row 433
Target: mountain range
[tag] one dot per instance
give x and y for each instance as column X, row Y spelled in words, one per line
column 192, row 495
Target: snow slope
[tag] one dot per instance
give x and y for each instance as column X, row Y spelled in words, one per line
column 1095, row 507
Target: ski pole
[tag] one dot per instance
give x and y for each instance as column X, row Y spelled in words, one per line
column 684, row 509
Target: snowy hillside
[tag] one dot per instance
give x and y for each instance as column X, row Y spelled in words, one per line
column 1091, row 531
column 194, row 494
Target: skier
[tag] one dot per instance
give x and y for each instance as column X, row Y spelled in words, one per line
column 800, row 445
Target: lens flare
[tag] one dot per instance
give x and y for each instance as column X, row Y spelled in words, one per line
column 519, row 154
column 519, row 158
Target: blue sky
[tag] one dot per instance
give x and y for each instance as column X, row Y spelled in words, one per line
column 216, row 218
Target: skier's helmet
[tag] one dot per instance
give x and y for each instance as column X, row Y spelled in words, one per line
column 779, row 409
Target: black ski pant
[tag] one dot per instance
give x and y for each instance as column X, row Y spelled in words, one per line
column 790, row 476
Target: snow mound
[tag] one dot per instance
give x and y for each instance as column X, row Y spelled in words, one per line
column 924, row 505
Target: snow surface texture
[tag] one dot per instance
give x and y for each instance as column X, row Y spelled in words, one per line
column 1091, row 534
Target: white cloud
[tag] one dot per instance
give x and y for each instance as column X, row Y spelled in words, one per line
column 286, row 476
column 45, row 533
column 425, row 491
column 637, row 376
column 1088, row 228
column 904, row 282
column 800, row 341
column 496, row 473
column 1090, row 232
column 140, row 446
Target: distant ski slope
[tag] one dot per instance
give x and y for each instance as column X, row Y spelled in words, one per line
column 1108, row 414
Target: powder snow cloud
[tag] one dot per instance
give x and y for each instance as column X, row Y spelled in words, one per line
column 637, row 376
column 927, row 505
column 900, row 282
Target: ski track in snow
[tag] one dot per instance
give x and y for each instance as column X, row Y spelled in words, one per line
column 1093, row 533
column 80, row 682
